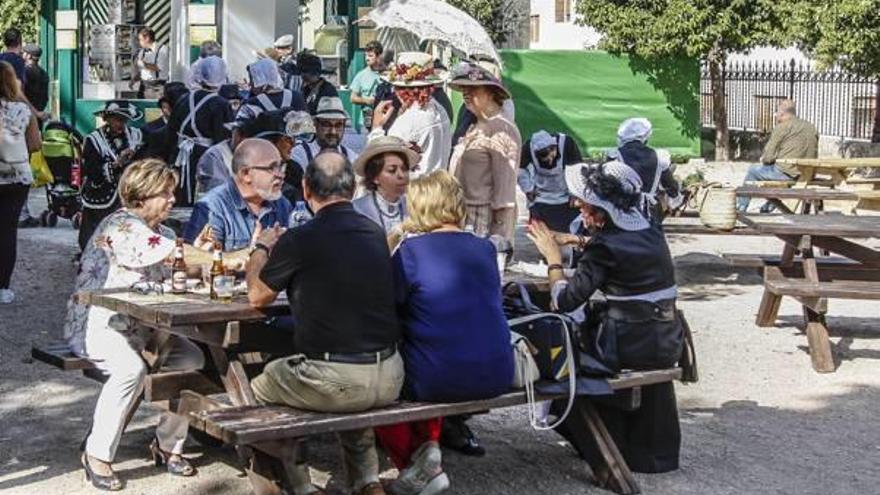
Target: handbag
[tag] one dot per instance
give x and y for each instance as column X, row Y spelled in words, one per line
column 40, row 170
column 525, row 369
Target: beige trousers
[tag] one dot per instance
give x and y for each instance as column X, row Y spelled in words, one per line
column 334, row 387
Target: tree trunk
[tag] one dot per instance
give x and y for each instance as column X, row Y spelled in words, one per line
column 719, row 106
column 875, row 136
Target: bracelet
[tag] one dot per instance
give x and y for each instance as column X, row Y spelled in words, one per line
column 582, row 241
column 258, row 246
column 554, row 266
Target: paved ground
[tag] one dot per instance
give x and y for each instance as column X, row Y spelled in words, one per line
column 760, row 420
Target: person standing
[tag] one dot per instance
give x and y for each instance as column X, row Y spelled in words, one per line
column 330, row 118
column 314, row 86
column 363, row 86
column 422, row 121
column 150, row 69
column 486, row 159
column 542, row 178
column 336, row 270
column 12, row 54
column 106, row 153
column 793, row 137
column 267, row 92
column 36, row 87
column 19, row 136
column 197, row 122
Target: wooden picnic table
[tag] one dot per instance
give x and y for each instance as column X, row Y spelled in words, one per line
column 239, row 343
column 809, row 199
column 836, row 168
column 798, row 274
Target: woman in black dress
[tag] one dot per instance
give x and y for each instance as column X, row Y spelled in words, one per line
column 628, row 260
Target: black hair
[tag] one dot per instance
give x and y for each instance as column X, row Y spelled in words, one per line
column 374, row 167
column 375, row 47
column 12, row 38
column 330, row 175
column 609, row 188
column 147, row 33
column 174, row 90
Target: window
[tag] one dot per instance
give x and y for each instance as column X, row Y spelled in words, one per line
column 535, row 28
column 563, row 10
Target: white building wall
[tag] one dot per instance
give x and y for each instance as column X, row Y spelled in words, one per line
column 560, row 35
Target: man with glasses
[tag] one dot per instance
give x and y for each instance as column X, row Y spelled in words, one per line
column 542, row 177
column 329, row 131
column 248, row 202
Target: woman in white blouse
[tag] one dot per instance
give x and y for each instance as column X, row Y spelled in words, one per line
column 19, row 136
column 130, row 249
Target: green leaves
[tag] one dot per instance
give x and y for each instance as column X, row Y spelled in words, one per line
column 22, row 14
column 842, row 32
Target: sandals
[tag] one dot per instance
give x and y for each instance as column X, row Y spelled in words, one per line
column 177, row 467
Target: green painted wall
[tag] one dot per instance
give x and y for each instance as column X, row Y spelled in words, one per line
column 586, row 94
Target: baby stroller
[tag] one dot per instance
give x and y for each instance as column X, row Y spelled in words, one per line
column 62, row 148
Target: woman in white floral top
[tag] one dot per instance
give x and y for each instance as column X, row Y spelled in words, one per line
column 129, row 247
column 19, row 136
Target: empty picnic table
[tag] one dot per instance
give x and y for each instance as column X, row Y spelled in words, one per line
column 239, row 342
column 811, row 200
column 798, row 274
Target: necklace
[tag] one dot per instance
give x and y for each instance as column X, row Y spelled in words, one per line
column 394, row 211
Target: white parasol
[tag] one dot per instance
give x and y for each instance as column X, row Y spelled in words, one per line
column 435, row 20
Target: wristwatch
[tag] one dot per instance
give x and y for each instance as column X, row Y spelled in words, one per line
column 259, row 246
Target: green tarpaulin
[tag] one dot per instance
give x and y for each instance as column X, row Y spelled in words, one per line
column 586, row 94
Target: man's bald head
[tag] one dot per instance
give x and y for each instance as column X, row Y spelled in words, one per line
column 254, row 152
column 787, row 107
column 330, row 176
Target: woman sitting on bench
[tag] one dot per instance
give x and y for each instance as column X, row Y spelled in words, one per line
column 456, row 342
column 627, row 258
column 130, row 249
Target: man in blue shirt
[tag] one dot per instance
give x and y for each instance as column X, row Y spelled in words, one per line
column 252, row 196
column 12, row 54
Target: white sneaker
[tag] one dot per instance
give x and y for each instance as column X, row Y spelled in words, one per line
column 424, row 475
column 6, row 296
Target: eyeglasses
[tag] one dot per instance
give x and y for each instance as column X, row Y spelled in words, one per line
column 330, row 124
column 277, row 168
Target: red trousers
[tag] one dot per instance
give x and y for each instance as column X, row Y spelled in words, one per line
column 400, row 441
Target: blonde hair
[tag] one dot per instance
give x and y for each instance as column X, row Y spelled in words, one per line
column 433, row 200
column 145, row 179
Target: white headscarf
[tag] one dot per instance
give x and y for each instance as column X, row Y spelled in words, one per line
column 634, row 130
column 542, row 139
column 208, row 72
column 264, row 73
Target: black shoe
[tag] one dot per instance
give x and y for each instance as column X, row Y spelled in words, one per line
column 106, row 483
column 178, row 467
column 28, row 223
column 457, row 436
column 768, row 207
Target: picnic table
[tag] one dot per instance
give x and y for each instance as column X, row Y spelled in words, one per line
column 837, row 169
column 812, row 282
column 219, row 401
column 808, row 199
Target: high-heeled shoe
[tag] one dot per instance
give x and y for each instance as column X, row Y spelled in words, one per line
column 107, row 483
column 177, row 467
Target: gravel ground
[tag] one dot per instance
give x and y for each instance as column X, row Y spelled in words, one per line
column 759, row 421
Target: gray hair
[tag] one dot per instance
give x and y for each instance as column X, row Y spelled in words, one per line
column 252, row 151
column 330, row 175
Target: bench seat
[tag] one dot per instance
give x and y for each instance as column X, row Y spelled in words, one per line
column 693, row 226
column 839, row 289
column 58, row 354
column 762, row 260
column 255, row 424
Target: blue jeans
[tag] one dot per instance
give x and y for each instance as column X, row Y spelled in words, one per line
column 759, row 173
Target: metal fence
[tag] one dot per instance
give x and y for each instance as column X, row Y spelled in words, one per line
column 839, row 103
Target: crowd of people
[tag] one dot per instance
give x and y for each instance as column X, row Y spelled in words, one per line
column 393, row 281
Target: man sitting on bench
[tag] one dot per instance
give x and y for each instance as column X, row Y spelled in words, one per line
column 792, row 137
column 337, row 272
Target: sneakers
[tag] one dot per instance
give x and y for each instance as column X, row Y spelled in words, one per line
column 28, row 223
column 424, row 476
column 6, row 296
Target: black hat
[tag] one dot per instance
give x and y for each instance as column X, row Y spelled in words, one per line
column 33, row 50
column 266, row 125
column 230, row 92
column 309, row 63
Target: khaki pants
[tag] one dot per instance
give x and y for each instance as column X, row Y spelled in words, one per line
column 334, row 387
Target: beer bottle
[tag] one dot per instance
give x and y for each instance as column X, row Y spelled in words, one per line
column 178, row 270
column 217, row 268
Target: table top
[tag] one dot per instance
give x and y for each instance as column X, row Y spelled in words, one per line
column 832, row 163
column 801, row 194
column 171, row 310
column 830, row 225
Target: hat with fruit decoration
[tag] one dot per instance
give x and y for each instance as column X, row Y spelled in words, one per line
column 412, row 70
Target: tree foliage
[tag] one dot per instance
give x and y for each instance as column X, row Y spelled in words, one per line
column 842, row 32
column 499, row 17
column 23, row 14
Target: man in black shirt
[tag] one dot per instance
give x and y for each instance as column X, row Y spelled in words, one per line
column 314, row 85
column 36, row 86
column 12, row 54
column 336, row 270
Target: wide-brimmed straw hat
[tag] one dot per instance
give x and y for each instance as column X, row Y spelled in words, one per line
column 413, row 70
column 384, row 144
column 469, row 74
column 582, row 181
column 121, row 108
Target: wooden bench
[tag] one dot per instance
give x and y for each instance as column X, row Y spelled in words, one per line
column 840, row 289
column 693, row 226
column 743, row 260
column 273, row 428
column 58, row 354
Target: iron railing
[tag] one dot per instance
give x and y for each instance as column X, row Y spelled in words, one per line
column 837, row 102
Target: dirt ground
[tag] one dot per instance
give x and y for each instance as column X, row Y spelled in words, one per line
column 759, row 421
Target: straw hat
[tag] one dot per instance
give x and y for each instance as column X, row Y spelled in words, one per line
column 413, row 70
column 331, row 108
column 384, row 144
column 582, row 181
